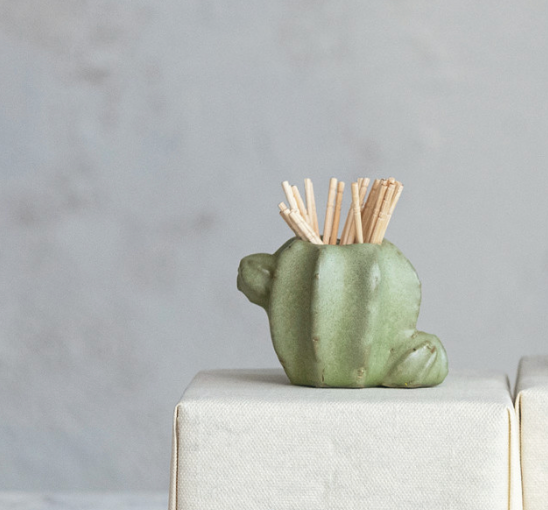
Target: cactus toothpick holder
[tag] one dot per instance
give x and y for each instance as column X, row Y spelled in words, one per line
column 343, row 314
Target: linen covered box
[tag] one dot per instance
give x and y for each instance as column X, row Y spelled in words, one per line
column 532, row 407
column 248, row 439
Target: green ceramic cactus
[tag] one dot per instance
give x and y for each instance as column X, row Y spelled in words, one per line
column 344, row 316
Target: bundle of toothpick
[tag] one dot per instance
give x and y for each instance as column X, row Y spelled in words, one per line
column 367, row 219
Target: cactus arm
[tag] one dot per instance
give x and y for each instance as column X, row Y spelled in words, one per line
column 419, row 361
column 255, row 277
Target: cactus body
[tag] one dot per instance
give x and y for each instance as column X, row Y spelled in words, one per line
column 344, row 316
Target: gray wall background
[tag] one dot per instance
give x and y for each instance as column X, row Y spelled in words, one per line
column 142, row 146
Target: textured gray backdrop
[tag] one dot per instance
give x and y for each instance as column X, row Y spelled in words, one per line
column 142, row 146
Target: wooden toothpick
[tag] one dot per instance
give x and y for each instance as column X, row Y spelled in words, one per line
column 367, row 219
column 328, row 224
column 396, row 197
column 300, row 204
column 336, row 219
column 348, row 224
column 357, row 212
column 311, row 205
column 363, row 191
column 380, row 225
column 290, row 197
column 375, row 214
column 369, row 206
column 306, row 229
column 284, row 212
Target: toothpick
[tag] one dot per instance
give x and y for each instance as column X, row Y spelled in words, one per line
column 328, row 224
column 300, row 204
column 306, row 229
column 289, row 195
column 311, row 205
column 298, row 225
column 336, row 219
column 376, row 209
column 357, row 212
column 363, row 191
column 367, row 219
column 396, row 197
column 375, row 214
column 368, row 208
column 380, row 225
column 284, row 213
column 286, row 218
column 348, row 224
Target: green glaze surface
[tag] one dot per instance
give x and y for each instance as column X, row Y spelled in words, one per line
column 344, row 316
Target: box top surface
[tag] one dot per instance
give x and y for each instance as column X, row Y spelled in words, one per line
column 272, row 385
column 532, row 374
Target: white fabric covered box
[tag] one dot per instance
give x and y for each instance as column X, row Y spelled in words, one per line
column 247, row 439
column 532, row 407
